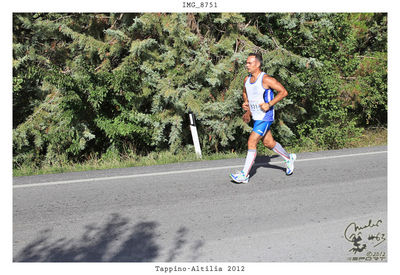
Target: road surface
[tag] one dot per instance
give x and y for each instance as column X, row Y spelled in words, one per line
column 332, row 209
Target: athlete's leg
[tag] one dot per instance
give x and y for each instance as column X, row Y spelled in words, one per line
column 268, row 140
column 270, row 143
column 254, row 138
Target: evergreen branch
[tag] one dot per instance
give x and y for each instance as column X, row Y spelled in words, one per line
column 115, row 22
column 276, row 44
column 41, row 107
column 61, row 18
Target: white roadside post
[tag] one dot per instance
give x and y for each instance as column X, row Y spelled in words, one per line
column 195, row 137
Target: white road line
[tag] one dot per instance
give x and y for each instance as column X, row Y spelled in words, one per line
column 179, row 172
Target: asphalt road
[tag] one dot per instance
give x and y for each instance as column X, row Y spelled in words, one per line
column 332, row 209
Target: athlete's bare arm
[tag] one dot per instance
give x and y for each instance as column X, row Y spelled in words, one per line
column 247, row 116
column 245, row 105
column 271, row 83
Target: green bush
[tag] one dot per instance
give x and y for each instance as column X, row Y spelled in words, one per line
column 117, row 84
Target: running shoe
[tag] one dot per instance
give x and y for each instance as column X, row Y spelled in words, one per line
column 239, row 177
column 290, row 164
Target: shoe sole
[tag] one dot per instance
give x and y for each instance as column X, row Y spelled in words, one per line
column 237, row 180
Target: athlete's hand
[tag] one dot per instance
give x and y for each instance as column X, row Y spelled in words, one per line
column 246, row 117
column 245, row 106
column 264, row 106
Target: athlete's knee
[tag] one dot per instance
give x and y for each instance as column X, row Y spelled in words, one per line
column 269, row 143
column 251, row 144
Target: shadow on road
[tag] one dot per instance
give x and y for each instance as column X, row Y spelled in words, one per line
column 114, row 241
column 263, row 161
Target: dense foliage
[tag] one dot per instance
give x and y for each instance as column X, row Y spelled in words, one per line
column 95, row 85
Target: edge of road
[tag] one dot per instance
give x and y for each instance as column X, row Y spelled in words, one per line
column 179, row 168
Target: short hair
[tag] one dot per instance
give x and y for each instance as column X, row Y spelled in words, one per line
column 258, row 57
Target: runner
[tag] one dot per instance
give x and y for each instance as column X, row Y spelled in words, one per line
column 259, row 100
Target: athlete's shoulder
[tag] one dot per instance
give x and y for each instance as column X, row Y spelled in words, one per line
column 269, row 81
column 268, row 77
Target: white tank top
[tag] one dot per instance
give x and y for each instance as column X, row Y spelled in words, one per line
column 256, row 94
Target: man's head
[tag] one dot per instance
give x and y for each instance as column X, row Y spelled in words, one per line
column 254, row 62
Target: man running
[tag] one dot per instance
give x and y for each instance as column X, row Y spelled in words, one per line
column 259, row 100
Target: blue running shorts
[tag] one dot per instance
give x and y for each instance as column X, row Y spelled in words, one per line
column 261, row 127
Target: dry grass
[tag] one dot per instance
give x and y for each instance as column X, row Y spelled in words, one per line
column 371, row 137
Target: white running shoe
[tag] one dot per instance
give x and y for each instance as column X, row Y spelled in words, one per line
column 290, row 164
column 239, row 177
